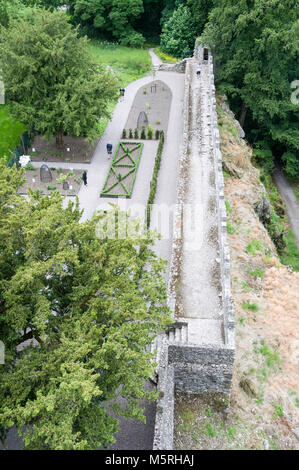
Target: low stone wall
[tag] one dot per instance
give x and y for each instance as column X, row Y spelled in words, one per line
column 206, row 379
column 228, row 310
column 163, row 438
column 179, row 67
column 181, row 186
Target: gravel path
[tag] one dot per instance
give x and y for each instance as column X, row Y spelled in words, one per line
column 134, row 435
column 290, row 200
column 156, row 61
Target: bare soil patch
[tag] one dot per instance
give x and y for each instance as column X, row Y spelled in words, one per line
column 74, row 179
column 154, row 99
column 80, row 151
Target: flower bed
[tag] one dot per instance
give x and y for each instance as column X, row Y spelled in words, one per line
column 59, row 176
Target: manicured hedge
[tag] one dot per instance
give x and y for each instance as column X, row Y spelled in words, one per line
column 152, row 194
column 132, row 169
column 145, row 134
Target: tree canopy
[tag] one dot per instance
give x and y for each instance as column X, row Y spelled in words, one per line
column 178, row 33
column 51, row 82
column 108, row 18
column 77, row 312
column 256, row 50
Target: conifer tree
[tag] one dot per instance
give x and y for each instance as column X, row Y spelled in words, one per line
column 78, row 311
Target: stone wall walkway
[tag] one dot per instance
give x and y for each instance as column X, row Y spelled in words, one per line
column 200, row 301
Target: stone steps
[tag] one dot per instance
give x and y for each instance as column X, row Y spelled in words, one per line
column 178, row 333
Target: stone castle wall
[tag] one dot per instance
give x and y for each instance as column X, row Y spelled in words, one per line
column 184, row 367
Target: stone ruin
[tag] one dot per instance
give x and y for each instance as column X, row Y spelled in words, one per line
column 45, row 174
column 196, row 355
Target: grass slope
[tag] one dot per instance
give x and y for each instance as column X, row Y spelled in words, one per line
column 165, row 57
column 10, row 130
column 128, row 64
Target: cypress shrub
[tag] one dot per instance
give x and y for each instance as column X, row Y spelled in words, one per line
column 143, row 136
column 152, row 194
column 150, row 132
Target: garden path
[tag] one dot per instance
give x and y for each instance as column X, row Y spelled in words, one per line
column 290, row 200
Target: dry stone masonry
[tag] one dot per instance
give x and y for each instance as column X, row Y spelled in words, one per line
column 179, row 67
column 196, row 355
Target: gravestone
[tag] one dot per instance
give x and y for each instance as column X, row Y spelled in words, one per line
column 142, row 120
column 45, row 174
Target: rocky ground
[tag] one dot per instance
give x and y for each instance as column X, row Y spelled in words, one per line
column 264, row 411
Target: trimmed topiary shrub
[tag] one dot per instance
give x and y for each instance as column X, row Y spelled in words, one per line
column 157, row 134
column 143, row 136
column 124, row 134
column 150, row 132
column 136, row 134
column 152, row 194
column 130, row 134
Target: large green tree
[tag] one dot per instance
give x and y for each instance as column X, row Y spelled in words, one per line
column 110, row 19
column 78, row 311
column 256, row 45
column 13, row 8
column 199, row 9
column 179, row 33
column 51, row 82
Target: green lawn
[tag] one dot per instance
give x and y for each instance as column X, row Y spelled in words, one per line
column 128, row 63
column 291, row 254
column 10, row 130
column 165, row 57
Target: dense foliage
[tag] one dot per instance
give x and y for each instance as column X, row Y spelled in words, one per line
column 109, row 19
column 84, row 307
column 130, row 22
column 51, row 82
column 154, row 182
column 10, row 132
column 181, row 22
column 256, row 49
column 178, row 33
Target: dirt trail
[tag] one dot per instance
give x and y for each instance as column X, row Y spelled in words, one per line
column 290, row 200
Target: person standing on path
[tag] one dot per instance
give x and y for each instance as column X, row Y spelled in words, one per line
column 109, row 149
column 122, row 93
column 84, row 177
